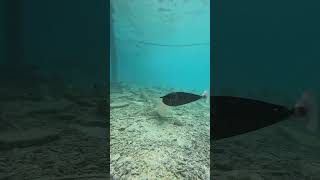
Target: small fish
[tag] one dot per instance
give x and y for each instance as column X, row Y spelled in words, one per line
column 181, row 98
column 235, row 115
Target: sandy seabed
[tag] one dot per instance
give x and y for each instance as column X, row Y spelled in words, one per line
column 284, row 151
column 52, row 138
column 47, row 137
column 149, row 140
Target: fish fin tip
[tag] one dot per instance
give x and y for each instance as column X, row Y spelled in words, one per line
column 205, row 96
column 308, row 101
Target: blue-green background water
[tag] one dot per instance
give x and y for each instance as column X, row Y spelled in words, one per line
column 163, row 43
column 270, row 45
column 65, row 39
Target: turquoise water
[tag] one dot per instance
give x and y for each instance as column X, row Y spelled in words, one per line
column 163, row 43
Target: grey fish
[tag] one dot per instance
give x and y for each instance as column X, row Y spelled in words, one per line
column 181, row 98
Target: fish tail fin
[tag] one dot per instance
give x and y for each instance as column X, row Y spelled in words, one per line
column 308, row 104
column 205, row 96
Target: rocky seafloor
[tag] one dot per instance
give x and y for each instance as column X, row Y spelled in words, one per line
column 285, row 151
column 43, row 136
column 149, row 140
column 152, row 141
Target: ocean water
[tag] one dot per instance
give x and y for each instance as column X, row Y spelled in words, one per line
column 157, row 47
column 267, row 51
column 52, row 93
column 162, row 43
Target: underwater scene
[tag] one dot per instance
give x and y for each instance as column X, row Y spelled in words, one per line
column 53, row 89
column 159, row 47
column 267, row 51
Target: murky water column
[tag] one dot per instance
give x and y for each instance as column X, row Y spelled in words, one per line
column 13, row 23
column 113, row 49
